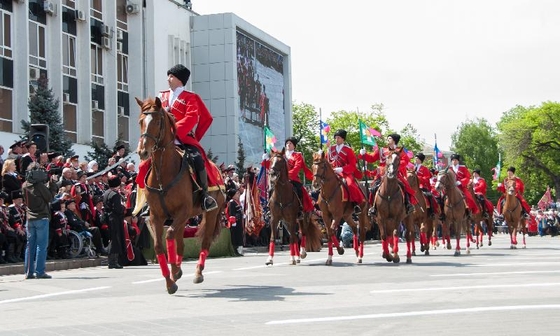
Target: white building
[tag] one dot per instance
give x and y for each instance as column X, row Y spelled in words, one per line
column 98, row 55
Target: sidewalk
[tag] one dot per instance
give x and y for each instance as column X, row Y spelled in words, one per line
column 55, row 265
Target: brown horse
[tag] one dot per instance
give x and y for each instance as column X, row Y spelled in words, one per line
column 478, row 219
column 284, row 204
column 454, row 208
column 420, row 216
column 334, row 207
column 512, row 214
column 391, row 211
column 169, row 187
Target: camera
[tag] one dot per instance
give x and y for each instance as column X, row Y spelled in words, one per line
column 55, row 171
column 36, row 176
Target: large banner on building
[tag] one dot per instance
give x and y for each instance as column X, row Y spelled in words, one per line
column 260, row 89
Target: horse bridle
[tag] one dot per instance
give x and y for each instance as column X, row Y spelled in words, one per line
column 157, row 139
column 276, row 173
column 323, row 178
column 446, row 184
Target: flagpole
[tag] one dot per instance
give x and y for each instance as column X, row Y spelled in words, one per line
column 320, row 129
column 364, row 164
column 436, row 159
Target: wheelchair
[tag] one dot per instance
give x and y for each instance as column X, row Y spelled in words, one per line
column 81, row 244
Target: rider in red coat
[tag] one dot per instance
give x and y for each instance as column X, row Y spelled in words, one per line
column 463, row 177
column 192, row 120
column 381, row 155
column 519, row 187
column 344, row 162
column 424, row 176
column 479, row 188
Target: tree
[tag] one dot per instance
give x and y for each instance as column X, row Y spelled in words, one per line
column 410, row 139
column 477, row 143
column 100, row 153
column 240, row 164
column 529, row 138
column 43, row 109
column 306, row 129
column 211, row 156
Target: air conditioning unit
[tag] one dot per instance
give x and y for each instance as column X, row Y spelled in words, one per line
column 49, row 7
column 106, row 30
column 66, row 98
column 132, row 8
column 120, row 111
column 20, row 1
column 119, row 47
column 106, row 42
column 94, row 105
column 120, row 35
column 34, row 74
column 80, row 15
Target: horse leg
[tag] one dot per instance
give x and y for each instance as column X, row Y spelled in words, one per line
column 208, row 218
column 523, row 231
column 395, row 236
column 458, row 238
column 469, row 239
column 409, row 243
column 330, row 248
column 385, row 246
column 271, row 246
column 176, row 271
column 423, row 238
column 293, row 253
column 303, row 245
column 161, row 258
column 490, row 231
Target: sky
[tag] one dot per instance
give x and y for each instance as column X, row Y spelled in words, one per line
column 434, row 64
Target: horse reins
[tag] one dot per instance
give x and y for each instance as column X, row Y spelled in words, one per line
column 323, row 178
column 277, row 181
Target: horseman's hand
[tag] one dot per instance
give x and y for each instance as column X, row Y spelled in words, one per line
column 500, row 185
column 338, row 170
column 265, row 156
column 362, row 151
column 458, row 183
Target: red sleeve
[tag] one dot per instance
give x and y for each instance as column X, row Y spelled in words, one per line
column 195, row 114
column 205, row 118
column 370, row 157
column 502, row 188
column 520, row 186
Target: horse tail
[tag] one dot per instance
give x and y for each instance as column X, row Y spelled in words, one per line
column 214, row 227
column 313, row 235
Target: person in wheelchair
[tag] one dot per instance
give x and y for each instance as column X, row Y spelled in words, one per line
column 79, row 225
column 59, row 242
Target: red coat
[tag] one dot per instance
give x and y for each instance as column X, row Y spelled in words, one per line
column 462, row 175
column 479, row 187
column 295, row 166
column 424, row 176
column 519, row 186
column 345, row 159
column 383, row 154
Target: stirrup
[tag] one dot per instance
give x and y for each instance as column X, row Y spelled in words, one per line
column 372, row 211
column 357, row 209
column 409, row 209
column 300, row 215
column 145, row 211
column 209, row 204
column 485, row 215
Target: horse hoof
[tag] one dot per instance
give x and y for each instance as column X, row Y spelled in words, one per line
column 298, row 261
column 172, row 289
column 409, row 260
column 198, row 279
column 359, row 261
column 340, row 250
column 477, row 247
column 414, row 253
column 177, row 275
column 489, row 243
column 269, row 263
column 524, row 246
column 303, row 255
column 468, row 251
column 457, row 253
column 329, row 262
column 293, row 262
column 396, row 260
column 449, row 246
column 427, row 253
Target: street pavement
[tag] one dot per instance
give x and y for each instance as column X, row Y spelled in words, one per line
column 492, row 291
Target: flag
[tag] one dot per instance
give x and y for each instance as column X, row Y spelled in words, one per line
column 496, row 170
column 262, row 185
column 365, row 135
column 325, row 129
column 269, row 139
column 546, row 199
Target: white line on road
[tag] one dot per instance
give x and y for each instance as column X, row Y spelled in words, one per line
column 415, row 313
column 42, row 296
column 491, row 273
column 404, row 290
column 516, row 264
column 161, row 279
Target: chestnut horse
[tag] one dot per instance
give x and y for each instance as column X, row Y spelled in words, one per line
column 454, row 207
column 512, row 214
column 420, row 216
column 169, row 188
column 391, row 211
column 478, row 218
column 334, row 208
column 284, row 205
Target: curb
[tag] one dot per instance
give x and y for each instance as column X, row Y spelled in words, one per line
column 53, row 265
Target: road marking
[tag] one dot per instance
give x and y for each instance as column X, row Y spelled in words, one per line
column 42, row 296
column 404, row 290
column 303, row 261
column 491, row 273
column 161, row 279
column 516, row 264
column 414, row 313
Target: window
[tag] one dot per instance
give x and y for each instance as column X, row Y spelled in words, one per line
column 69, row 54
column 5, row 34
column 70, row 124
column 121, row 14
column 69, row 3
column 122, row 72
column 5, row 110
column 96, row 9
column 97, row 124
column 69, row 20
column 96, row 64
column 37, row 52
column 123, row 128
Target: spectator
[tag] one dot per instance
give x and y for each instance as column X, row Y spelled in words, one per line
column 11, row 180
column 346, row 235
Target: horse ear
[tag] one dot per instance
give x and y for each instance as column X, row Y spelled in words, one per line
column 158, row 103
column 283, row 150
column 139, row 102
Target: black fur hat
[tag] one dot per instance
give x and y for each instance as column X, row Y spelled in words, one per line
column 455, row 156
column 341, row 133
column 421, row 156
column 511, row 169
column 293, row 140
column 181, row 72
column 396, row 138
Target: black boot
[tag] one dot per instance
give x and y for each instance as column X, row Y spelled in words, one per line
column 10, row 253
column 208, row 202
column 114, row 261
column 409, row 206
column 2, row 261
column 372, row 211
column 357, row 209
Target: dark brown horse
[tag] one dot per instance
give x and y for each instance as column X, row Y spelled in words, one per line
column 420, row 216
column 284, row 205
column 512, row 214
column 454, row 208
column 334, row 208
column 391, row 211
column 169, row 188
column 478, row 219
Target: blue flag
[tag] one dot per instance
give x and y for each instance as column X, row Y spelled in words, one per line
column 325, row 129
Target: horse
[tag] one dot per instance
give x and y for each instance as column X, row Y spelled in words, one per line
column 169, row 192
column 334, row 208
column 478, row 218
column 454, row 207
column 420, row 216
column 512, row 214
column 391, row 211
column 284, row 204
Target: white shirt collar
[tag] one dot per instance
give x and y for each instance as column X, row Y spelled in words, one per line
column 339, row 148
column 289, row 154
column 174, row 94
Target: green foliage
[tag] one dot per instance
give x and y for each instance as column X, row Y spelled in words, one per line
column 306, row 129
column 477, row 143
column 100, row 152
column 240, row 164
column 211, row 156
column 43, row 109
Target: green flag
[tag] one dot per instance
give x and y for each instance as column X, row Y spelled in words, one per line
column 269, row 139
column 365, row 135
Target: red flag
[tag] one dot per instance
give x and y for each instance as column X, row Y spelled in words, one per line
column 546, row 199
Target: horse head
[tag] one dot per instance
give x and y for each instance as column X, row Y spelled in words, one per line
column 445, row 179
column 157, row 128
column 412, row 179
column 511, row 187
column 393, row 162
column 321, row 169
column 278, row 168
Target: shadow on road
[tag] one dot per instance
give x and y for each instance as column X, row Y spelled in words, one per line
column 251, row 293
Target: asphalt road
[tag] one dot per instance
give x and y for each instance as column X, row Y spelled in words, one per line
column 492, row 291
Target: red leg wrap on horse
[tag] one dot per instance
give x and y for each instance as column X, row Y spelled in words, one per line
column 271, row 249
column 171, row 251
column 292, row 249
column 395, row 244
column 162, row 261
column 361, row 254
column 202, row 257
column 330, row 247
column 355, row 242
column 303, row 241
column 385, row 245
column 423, row 238
column 335, row 241
column 179, row 260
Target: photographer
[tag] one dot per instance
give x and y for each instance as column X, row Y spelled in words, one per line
column 38, row 193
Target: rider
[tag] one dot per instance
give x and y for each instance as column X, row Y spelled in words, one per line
column 424, row 175
column 479, row 188
column 463, row 177
column 192, row 120
column 381, row 155
column 295, row 165
column 343, row 160
column 519, row 188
